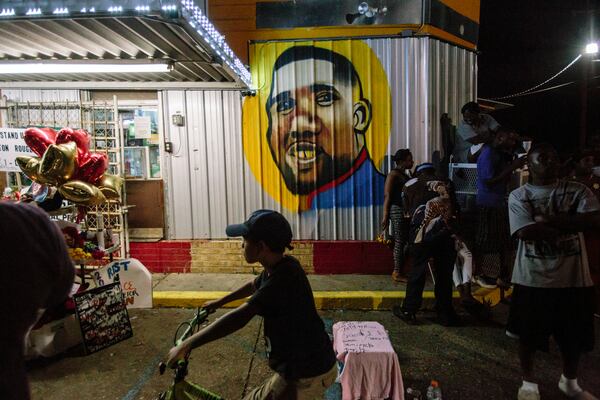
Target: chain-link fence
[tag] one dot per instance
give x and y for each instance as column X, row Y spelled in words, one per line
column 464, row 177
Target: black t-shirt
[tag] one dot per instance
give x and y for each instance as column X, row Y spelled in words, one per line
column 396, row 195
column 295, row 338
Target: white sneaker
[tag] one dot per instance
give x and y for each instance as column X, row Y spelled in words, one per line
column 574, row 393
column 528, row 394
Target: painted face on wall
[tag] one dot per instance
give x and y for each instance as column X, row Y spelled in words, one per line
column 317, row 121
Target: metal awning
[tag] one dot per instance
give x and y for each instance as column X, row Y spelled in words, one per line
column 140, row 31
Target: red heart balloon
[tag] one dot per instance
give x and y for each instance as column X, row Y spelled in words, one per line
column 81, row 139
column 92, row 168
column 38, row 139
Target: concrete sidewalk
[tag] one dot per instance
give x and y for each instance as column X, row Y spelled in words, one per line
column 350, row 292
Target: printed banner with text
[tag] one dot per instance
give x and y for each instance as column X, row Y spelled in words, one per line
column 12, row 145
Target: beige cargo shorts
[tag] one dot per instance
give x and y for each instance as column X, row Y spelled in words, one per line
column 278, row 388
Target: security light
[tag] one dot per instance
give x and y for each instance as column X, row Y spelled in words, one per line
column 366, row 11
column 591, row 48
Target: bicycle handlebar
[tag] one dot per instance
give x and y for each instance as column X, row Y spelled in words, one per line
column 162, row 366
column 200, row 316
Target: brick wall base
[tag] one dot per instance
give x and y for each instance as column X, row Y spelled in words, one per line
column 226, row 256
column 163, row 256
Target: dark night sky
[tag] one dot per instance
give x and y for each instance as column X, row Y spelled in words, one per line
column 523, row 43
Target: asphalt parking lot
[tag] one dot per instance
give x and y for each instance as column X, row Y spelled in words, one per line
column 475, row 361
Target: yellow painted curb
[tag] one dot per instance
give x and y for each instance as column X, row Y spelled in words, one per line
column 348, row 300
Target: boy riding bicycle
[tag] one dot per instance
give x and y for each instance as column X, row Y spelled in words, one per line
column 299, row 350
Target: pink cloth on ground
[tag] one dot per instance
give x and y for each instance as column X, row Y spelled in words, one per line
column 371, row 369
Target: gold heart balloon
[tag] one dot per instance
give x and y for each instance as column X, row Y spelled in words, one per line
column 58, row 163
column 110, row 186
column 82, row 193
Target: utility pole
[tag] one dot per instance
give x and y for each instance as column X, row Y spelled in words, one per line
column 583, row 85
column 583, row 102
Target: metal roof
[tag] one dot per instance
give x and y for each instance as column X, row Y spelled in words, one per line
column 492, row 105
column 101, row 32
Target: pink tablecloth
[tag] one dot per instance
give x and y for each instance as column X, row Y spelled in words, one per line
column 371, row 369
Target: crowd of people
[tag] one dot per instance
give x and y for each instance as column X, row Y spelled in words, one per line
column 533, row 240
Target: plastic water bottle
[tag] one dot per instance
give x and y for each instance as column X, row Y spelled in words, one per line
column 434, row 392
column 413, row 394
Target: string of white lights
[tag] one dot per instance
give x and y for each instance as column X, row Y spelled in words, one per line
column 557, row 86
column 207, row 30
column 524, row 92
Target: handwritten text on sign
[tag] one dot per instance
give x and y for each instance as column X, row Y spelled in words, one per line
column 12, row 145
column 361, row 337
column 136, row 281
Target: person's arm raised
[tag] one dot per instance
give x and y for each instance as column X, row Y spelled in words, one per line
column 507, row 171
column 241, row 293
column 226, row 325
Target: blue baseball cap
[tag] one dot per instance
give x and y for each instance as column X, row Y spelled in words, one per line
column 266, row 225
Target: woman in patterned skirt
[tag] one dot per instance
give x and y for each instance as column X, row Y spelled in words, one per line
column 394, row 211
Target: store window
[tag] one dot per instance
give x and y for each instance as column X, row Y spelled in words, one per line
column 141, row 138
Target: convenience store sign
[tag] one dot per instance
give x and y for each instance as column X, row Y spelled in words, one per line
column 12, row 145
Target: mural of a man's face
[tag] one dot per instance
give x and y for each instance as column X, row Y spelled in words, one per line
column 317, row 123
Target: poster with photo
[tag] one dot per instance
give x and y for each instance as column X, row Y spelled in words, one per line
column 102, row 316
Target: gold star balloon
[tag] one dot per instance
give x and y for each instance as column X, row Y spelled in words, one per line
column 30, row 167
column 58, row 163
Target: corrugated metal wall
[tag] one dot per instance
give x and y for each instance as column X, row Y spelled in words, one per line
column 210, row 182
column 427, row 78
column 205, row 175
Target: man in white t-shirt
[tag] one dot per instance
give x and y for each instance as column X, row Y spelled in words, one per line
column 553, row 292
column 475, row 128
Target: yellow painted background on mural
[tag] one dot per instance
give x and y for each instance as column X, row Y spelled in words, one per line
column 255, row 121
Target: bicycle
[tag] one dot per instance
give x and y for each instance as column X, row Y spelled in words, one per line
column 182, row 389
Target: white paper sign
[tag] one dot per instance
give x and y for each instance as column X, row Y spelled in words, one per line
column 136, row 281
column 12, row 145
column 143, row 127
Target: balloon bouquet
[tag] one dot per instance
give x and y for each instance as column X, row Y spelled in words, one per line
column 65, row 161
